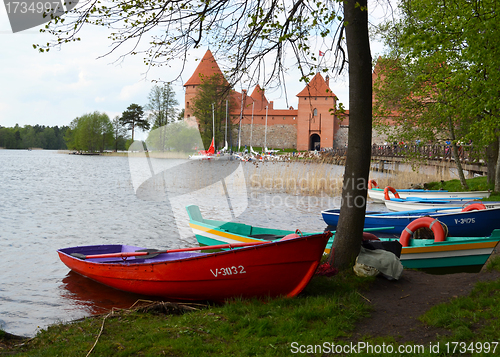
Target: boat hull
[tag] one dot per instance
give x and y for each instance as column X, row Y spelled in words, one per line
column 377, row 194
column 428, row 254
column 215, row 157
column 274, row 269
column 396, row 205
column 480, row 223
column 212, row 232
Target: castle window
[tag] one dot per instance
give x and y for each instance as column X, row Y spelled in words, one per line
column 315, row 112
column 187, row 104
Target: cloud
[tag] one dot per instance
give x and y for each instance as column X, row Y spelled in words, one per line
column 135, row 90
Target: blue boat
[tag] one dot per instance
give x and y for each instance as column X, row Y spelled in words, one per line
column 477, row 223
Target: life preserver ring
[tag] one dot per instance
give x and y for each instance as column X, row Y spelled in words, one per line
column 437, row 229
column 372, row 184
column 474, row 207
column 297, row 234
column 393, row 190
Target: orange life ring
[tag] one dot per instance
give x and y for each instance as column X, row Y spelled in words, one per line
column 437, row 229
column 372, row 184
column 297, row 234
column 474, row 207
column 393, row 190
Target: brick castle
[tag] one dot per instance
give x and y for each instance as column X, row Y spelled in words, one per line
column 311, row 126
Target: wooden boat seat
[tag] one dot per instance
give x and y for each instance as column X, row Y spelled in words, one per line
column 237, row 228
column 267, row 236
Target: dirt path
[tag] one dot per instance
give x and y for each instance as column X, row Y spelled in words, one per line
column 398, row 304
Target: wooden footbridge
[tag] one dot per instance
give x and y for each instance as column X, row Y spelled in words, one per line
column 389, row 157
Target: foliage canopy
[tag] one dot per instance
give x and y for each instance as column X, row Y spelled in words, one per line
column 91, row 132
column 442, row 73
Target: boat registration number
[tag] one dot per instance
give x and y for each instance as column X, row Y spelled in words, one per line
column 240, row 269
column 465, row 220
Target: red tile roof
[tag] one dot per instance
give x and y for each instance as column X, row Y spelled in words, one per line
column 317, row 87
column 207, row 68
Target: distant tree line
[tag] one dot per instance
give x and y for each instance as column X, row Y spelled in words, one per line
column 37, row 136
column 96, row 132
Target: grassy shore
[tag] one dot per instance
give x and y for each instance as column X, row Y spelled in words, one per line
column 328, row 310
column 475, row 184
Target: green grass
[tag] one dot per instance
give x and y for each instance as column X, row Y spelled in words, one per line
column 327, row 310
column 471, row 319
column 475, row 184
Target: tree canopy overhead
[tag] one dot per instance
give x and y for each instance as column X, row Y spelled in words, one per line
column 255, row 36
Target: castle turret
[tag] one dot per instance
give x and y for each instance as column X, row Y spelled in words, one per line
column 317, row 126
column 207, row 68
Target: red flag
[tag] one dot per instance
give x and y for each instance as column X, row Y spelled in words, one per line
column 321, row 53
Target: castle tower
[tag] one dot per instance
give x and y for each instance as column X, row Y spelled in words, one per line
column 207, row 68
column 316, row 125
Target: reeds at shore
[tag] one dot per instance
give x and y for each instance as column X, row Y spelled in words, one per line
column 306, row 178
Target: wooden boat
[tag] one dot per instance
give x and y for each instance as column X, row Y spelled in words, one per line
column 379, row 195
column 444, row 252
column 212, row 232
column 281, row 268
column 473, row 223
column 408, row 204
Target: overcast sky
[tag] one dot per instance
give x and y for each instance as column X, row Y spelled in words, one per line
column 54, row 88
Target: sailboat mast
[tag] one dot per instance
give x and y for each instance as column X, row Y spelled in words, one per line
column 213, row 124
column 225, row 137
column 265, row 132
column 243, row 98
column 251, row 126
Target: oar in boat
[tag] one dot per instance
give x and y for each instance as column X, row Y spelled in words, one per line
column 150, row 253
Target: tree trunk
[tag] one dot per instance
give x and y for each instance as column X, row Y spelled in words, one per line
column 347, row 240
column 456, row 157
column 492, row 151
column 497, row 171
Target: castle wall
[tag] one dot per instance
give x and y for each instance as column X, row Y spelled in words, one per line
column 279, row 136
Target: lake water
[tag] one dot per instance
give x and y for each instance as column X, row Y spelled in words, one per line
column 51, row 200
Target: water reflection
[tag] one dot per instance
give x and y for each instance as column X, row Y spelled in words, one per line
column 92, row 298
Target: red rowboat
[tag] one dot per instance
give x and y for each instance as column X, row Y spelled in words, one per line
column 262, row 269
